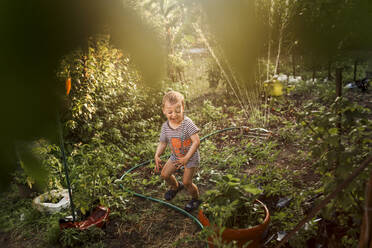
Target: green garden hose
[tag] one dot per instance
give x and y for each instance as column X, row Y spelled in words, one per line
column 155, row 199
column 167, row 203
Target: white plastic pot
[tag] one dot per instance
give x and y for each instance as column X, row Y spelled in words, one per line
column 40, row 202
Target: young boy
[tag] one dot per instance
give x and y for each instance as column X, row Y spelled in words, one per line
column 181, row 134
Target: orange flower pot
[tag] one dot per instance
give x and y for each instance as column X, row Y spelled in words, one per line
column 254, row 235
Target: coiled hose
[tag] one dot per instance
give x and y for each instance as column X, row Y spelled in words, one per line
column 167, row 203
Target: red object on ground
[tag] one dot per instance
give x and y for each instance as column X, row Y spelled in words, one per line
column 98, row 218
column 242, row 235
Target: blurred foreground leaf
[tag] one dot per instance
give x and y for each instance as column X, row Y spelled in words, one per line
column 35, row 36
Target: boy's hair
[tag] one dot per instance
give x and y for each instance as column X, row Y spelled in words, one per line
column 173, row 97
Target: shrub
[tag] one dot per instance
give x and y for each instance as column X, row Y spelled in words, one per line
column 106, row 96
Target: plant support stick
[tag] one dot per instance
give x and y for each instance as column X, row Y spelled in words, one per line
column 66, row 169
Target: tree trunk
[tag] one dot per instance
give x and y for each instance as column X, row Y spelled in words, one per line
column 355, row 69
column 369, row 68
column 314, row 73
column 170, row 50
column 339, row 127
column 281, row 32
column 338, row 82
column 293, row 65
column 268, row 59
column 279, row 49
column 271, row 12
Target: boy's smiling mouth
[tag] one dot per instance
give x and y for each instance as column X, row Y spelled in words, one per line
column 176, row 120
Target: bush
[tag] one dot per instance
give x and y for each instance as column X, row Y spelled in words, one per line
column 106, row 96
column 109, row 120
column 339, row 138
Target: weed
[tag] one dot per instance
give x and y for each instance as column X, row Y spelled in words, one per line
column 72, row 237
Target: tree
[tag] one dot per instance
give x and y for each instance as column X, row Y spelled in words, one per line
column 328, row 31
column 169, row 16
column 284, row 14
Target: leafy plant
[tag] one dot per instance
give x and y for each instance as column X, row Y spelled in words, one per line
column 44, row 153
column 110, row 120
column 278, row 187
column 94, row 169
column 208, row 116
column 72, row 237
column 339, row 138
column 231, row 202
column 106, row 96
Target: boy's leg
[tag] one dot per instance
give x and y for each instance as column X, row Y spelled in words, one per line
column 187, row 182
column 167, row 174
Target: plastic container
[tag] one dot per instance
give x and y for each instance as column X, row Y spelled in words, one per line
column 241, row 236
column 273, row 87
column 42, row 205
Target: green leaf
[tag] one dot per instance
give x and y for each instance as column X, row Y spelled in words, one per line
column 251, row 189
column 333, row 131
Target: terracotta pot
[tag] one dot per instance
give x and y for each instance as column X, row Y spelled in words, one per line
column 242, row 235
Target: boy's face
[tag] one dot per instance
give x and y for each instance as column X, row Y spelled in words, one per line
column 173, row 112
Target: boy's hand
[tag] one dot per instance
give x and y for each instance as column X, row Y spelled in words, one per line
column 181, row 162
column 157, row 164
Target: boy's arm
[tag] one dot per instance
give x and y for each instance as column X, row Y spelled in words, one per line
column 160, row 149
column 158, row 153
column 195, row 144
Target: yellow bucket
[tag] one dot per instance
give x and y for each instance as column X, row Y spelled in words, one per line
column 274, row 87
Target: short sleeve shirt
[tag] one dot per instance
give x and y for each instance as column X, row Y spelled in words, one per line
column 179, row 140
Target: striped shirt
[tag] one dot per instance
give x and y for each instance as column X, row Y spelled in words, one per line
column 179, row 140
